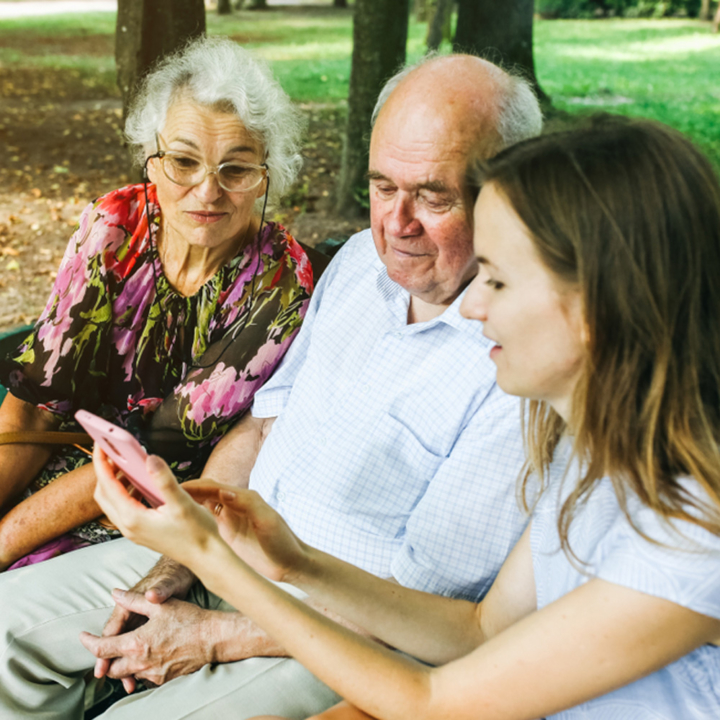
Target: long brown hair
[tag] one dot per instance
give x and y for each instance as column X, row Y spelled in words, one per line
column 628, row 211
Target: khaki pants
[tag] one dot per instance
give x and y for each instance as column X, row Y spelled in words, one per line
column 43, row 608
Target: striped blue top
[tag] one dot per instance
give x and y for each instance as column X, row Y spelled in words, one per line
column 684, row 569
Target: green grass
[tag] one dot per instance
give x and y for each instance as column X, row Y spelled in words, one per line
column 663, row 69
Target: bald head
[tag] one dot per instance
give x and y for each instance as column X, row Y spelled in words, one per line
column 501, row 108
column 460, row 94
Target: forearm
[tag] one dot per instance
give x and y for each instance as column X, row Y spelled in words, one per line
column 318, row 642
column 233, row 458
column 432, row 628
column 236, row 636
column 59, row 507
column 19, row 463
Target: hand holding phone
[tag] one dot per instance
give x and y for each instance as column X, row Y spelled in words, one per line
column 124, row 450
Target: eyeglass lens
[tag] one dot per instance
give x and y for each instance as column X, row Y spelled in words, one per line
column 233, row 177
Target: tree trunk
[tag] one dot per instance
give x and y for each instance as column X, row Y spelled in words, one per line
column 716, row 21
column 704, row 13
column 500, row 32
column 421, row 10
column 258, row 5
column 439, row 24
column 224, row 7
column 146, row 31
column 379, row 39
column 340, row 3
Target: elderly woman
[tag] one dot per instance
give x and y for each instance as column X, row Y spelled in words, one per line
column 174, row 302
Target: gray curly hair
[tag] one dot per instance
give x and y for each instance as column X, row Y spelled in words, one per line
column 217, row 72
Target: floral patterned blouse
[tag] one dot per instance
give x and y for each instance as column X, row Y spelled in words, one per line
column 118, row 340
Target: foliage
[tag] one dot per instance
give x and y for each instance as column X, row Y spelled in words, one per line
column 664, row 69
column 609, row 8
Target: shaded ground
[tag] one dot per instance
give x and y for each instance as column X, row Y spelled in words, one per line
column 62, row 133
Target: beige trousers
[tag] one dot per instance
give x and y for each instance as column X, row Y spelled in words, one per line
column 44, row 607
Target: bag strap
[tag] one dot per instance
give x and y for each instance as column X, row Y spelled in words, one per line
column 45, row 437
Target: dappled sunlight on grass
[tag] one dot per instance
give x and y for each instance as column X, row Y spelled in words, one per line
column 671, row 47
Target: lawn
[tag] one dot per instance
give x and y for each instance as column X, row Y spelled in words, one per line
column 664, row 69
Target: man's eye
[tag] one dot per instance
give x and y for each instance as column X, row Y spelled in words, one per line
column 434, row 202
column 384, row 190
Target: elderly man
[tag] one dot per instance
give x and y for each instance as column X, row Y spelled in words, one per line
column 382, row 439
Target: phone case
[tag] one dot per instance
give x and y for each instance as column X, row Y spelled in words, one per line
column 124, row 450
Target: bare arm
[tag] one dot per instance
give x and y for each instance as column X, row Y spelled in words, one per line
column 19, row 463
column 233, row 458
column 59, row 507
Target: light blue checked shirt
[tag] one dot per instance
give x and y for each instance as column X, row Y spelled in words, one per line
column 394, row 449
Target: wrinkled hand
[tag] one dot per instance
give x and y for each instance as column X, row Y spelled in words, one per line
column 173, row 639
column 180, row 528
column 167, row 579
column 254, row 531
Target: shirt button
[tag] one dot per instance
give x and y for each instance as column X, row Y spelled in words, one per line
column 323, row 441
column 281, row 496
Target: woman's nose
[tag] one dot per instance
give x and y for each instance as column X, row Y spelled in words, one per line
column 209, row 189
column 474, row 304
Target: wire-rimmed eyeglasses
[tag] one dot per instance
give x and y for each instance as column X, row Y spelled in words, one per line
column 188, row 171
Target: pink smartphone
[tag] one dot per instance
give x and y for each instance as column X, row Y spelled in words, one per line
column 124, row 450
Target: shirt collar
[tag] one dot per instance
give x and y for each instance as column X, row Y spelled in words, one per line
column 398, row 299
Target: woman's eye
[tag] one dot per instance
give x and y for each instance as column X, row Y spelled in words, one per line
column 235, row 171
column 494, row 284
column 184, row 163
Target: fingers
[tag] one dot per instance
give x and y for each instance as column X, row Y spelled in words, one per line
column 175, row 584
column 110, row 493
column 133, row 602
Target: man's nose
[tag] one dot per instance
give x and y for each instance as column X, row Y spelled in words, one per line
column 402, row 221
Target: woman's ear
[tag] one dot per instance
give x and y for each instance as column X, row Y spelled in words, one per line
column 149, row 171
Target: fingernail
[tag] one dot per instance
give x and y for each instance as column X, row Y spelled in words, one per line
column 228, row 494
column 154, row 464
column 117, row 592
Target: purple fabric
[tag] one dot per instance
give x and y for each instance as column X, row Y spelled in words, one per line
column 58, row 546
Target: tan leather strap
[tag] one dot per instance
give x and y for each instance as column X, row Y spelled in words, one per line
column 45, row 437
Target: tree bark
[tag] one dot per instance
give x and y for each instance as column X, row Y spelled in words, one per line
column 146, row 31
column 439, row 24
column 224, row 7
column 258, row 5
column 704, row 12
column 421, row 10
column 500, row 32
column 379, row 39
column 716, row 20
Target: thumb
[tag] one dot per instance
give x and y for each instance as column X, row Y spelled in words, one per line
column 133, row 602
column 162, row 476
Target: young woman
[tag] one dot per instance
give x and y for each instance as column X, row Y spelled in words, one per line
column 599, row 252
